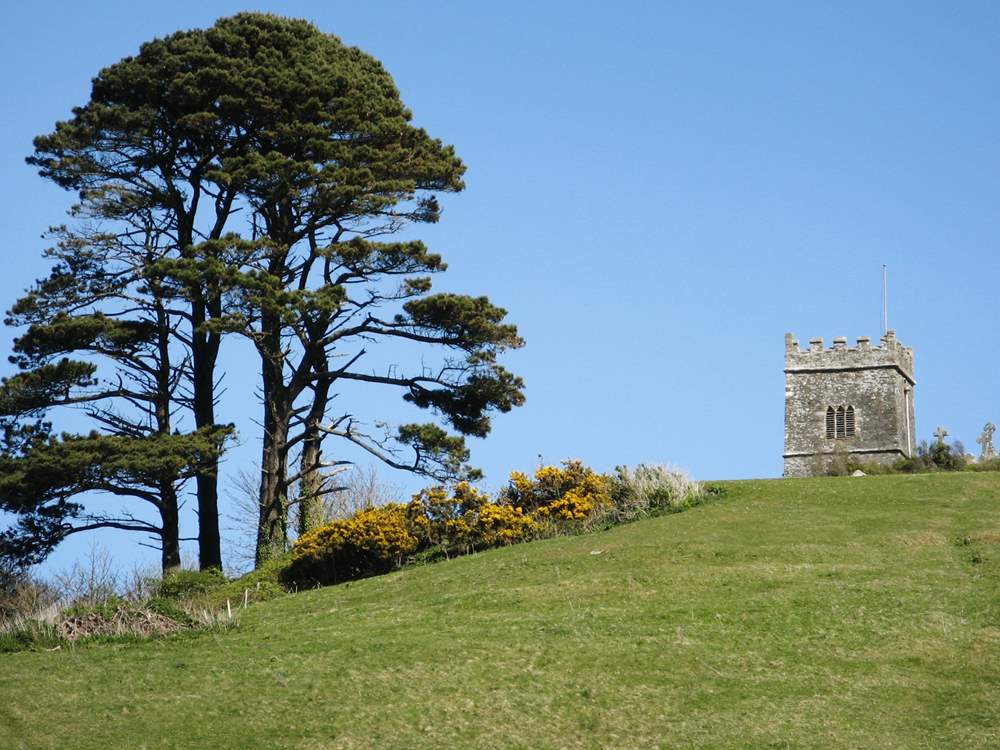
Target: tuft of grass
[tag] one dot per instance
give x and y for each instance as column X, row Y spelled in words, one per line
column 28, row 634
column 806, row 613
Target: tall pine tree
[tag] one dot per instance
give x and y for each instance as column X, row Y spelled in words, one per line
column 275, row 160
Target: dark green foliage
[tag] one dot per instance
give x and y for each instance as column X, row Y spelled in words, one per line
column 467, row 404
column 32, row 393
column 438, row 454
column 96, row 332
column 72, row 464
column 470, row 323
column 39, row 485
column 936, row 456
column 96, row 303
column 429, row 556
column 183, row 584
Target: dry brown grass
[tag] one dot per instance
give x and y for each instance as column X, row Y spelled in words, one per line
column 922, row 539
column 123, row 621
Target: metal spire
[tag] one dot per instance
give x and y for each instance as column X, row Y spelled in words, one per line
column 885, row 300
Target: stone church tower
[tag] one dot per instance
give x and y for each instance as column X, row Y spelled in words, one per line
column 857, row 401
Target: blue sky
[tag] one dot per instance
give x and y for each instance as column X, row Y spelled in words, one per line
column 655, row 191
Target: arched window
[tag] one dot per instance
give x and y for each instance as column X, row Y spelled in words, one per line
column 839, row 422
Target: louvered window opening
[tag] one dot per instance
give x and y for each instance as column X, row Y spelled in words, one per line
column 839, row 422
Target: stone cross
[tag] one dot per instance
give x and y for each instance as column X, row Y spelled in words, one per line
column 941, row 433
column 985, row 439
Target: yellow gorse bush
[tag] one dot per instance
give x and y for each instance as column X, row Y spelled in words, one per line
column 382, row 530
column 465, row 519
column 568, row 493
column 444, row 520
column 499, row 525
column 573, row 506
column 374, row 540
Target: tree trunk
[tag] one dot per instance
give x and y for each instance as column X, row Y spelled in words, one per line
column 203, row 357
column 311, row 484
column 204, row 352
column 170, row 544
column 170, row 539
column 272, row 526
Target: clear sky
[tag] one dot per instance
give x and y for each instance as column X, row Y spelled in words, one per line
column 656, row 192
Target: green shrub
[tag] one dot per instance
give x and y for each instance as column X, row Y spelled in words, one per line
column 840, row 463
column 429, row 556
column 185, row 584
column 262, row 584
column 936, row 456
column 990, row 464
column 928, row 457
column 169, row 608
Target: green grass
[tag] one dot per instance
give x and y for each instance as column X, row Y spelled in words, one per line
column 816, row 613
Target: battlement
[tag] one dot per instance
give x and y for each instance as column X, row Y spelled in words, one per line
column 890, row 354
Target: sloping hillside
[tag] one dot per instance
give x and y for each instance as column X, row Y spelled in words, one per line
column 798, row 613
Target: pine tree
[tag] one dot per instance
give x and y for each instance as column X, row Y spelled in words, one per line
column 336, row 165
column 96, row 304
column 275, row 160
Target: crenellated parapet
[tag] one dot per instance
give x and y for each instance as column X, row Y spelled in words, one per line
column 863, row 356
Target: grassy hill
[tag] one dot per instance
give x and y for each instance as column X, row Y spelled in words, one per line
column 820, row 613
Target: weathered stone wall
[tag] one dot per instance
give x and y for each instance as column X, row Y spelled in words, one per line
column 876, row 381
column 810, row 466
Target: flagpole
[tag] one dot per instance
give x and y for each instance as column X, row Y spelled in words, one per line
column 885, row 300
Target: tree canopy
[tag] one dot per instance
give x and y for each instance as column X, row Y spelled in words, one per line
column 244, row 181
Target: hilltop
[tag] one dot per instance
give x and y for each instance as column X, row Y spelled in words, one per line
column 827, row 612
